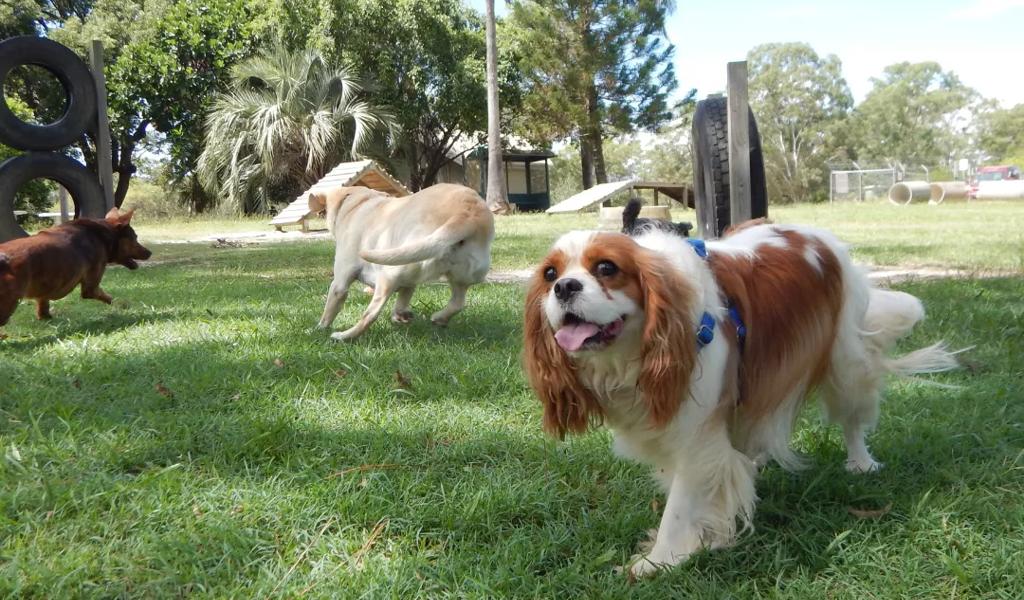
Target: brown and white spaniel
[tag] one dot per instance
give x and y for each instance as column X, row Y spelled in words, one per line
column 699, row 358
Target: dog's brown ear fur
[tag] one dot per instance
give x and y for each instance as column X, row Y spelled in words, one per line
column 569, row 407
column 317, row 203
column 5, row 263
column 117, row 217
column 669, row 349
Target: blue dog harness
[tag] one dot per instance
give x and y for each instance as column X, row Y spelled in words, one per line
column 706, row 331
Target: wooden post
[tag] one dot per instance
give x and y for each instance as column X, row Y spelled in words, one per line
column 62, row 194
column 739, row 143
column 528, row 182
column 103, row 155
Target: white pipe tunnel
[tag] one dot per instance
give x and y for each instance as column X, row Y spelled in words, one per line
column 948, row 190
column 906, row 192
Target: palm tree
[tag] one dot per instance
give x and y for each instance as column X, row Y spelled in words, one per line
column 286, row 119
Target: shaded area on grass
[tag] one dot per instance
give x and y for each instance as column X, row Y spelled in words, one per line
column 200, row 437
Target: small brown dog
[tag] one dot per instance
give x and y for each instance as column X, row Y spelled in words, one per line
column 49, row 265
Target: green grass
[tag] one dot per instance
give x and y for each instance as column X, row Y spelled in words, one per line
column 976, row 236
column 983, row 236
column 199, row 438
column 178, row 229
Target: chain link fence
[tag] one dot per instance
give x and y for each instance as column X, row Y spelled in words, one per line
column 860, row 185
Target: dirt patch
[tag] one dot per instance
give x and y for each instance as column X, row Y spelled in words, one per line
column 877, row 274
column 252, row 237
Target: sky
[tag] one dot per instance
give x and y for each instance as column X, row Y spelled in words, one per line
column 982, row 41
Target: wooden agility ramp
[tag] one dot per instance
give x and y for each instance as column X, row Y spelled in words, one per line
column 364, row 173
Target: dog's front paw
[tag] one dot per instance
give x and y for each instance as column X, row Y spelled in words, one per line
column 403, row 317
column 439, row 319
column 864, row 465
column 644, row 565
column 344, row 336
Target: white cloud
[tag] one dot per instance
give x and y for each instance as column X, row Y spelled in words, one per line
column 985, row 9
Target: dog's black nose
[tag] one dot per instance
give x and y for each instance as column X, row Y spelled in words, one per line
column 566, row 288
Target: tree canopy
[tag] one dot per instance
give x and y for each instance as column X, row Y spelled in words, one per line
column 427, row 59
column 593, row 68
column 1001, row 133
column 286, row 120
column 164, row 60
column 915, row 114
column 598, row 75
column 801, row 102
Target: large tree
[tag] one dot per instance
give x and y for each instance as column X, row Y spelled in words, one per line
column 287, row 119
column 801, row 101
column 915, row 114
column 428, row 59
column 497, row 199
column 1001, row 133
column 164, row 61
column 661, row 156
column 594, row 68
column 32, row 17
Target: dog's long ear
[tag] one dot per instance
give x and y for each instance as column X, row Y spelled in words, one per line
column 5, row 263
column 669, row 337
column 568, row 406
column 317, row 203
column 117, row 217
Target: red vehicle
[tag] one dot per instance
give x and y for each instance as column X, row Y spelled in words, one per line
column 993, row 173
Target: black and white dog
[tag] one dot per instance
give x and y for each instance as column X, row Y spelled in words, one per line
column 633, row 224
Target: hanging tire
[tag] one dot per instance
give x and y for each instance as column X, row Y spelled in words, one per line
column 710, row 135
column 80, row 183
column 74, row 76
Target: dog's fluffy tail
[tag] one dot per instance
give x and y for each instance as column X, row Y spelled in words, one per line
column 933, row 359
column 434, row 245
column 630, row 213
column 890, row 316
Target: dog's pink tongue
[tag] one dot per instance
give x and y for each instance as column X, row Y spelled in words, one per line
column 571, row 337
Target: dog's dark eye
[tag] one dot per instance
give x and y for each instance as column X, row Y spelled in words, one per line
column 550, row 274
column 607, row 268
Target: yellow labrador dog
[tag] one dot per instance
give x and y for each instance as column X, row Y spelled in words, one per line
column 394, row 244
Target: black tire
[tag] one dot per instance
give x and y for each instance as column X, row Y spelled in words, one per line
column 70, row 70
column 80, row 183
column 711, row 167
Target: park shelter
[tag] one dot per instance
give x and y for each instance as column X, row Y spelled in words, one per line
column 526, row 176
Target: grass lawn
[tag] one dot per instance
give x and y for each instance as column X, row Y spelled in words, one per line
column 980, row 236
column 199, row 438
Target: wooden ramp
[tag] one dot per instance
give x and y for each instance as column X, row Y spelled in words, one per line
column 586, row 198
column 601, row 192
column 365, row 173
